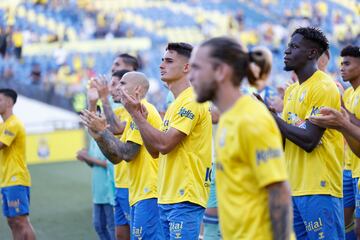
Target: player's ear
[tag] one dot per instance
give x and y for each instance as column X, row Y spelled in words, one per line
column 221, row 71
column 186, row 68
column 313, row 54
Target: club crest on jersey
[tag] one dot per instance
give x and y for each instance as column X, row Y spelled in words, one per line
column 186, row 113
column 302, row 97
column 222, row 137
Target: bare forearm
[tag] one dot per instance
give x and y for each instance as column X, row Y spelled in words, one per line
column 153, row 139
column 114, row 149
column 280, row 210
column 297, row 135
column 94, row 161
column 109, row 146
column 116, row 126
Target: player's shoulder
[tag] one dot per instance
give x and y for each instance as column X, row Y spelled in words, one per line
column 15, row 122
column 248, row 110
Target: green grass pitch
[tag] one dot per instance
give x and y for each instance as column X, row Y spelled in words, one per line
column 61, row 203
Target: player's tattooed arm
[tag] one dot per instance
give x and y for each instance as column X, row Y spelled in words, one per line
column 114, row 149
column 116, row 125
column 280, row 210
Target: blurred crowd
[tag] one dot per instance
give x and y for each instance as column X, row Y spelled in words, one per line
column 66, row 73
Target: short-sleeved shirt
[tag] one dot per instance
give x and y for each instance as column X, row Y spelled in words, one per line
column 143, row 169
column 102, row 178
column 249, row 157
column 184, row 173
column 121, row 171
column 13, row 155
column 320, row 171
column 353, row 105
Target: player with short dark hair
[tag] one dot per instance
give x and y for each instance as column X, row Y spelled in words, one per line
column 184, row 144
column 16, row 181
column 314, row 155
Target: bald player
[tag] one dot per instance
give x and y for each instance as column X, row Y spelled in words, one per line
column 142, row 187
column 116, row 118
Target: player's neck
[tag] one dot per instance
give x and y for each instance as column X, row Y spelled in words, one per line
column 306, row 72
column 178, row 86
column 355, row 83
column 6, row 114
column 226, row 97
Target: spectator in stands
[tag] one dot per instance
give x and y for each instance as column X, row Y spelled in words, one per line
column 35, row 74
column 17, row 40
column 60, row 55
column 3, row 42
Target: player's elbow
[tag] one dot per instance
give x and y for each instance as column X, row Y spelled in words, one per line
column 164, row 148
column 310, row 146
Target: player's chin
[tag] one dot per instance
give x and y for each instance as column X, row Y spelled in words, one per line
column 288, row 68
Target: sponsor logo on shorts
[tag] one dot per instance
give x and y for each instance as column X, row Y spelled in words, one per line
column 176, row 227
column 14, row 204
column 137, row 232
column 314, row 225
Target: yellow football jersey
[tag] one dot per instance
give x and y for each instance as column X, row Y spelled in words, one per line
column 143, row 170
column 184, row 173
column 121, row 173
column 249, row 157
column 318, row 172
column 354, row 107
column 12, row 157
column 347, row 99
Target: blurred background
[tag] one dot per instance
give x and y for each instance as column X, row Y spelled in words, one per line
column 49, row 49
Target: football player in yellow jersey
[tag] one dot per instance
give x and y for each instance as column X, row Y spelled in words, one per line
column 184, row 145
column 122, row 64
column 314, row 155
column 143, row 187
column 253, row 194
column 15, row 177
column 350, row 71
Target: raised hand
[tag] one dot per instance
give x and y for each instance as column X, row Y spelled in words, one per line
column 102, row 86
column 330, row 118
column 132, row 104
column 93, row 122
